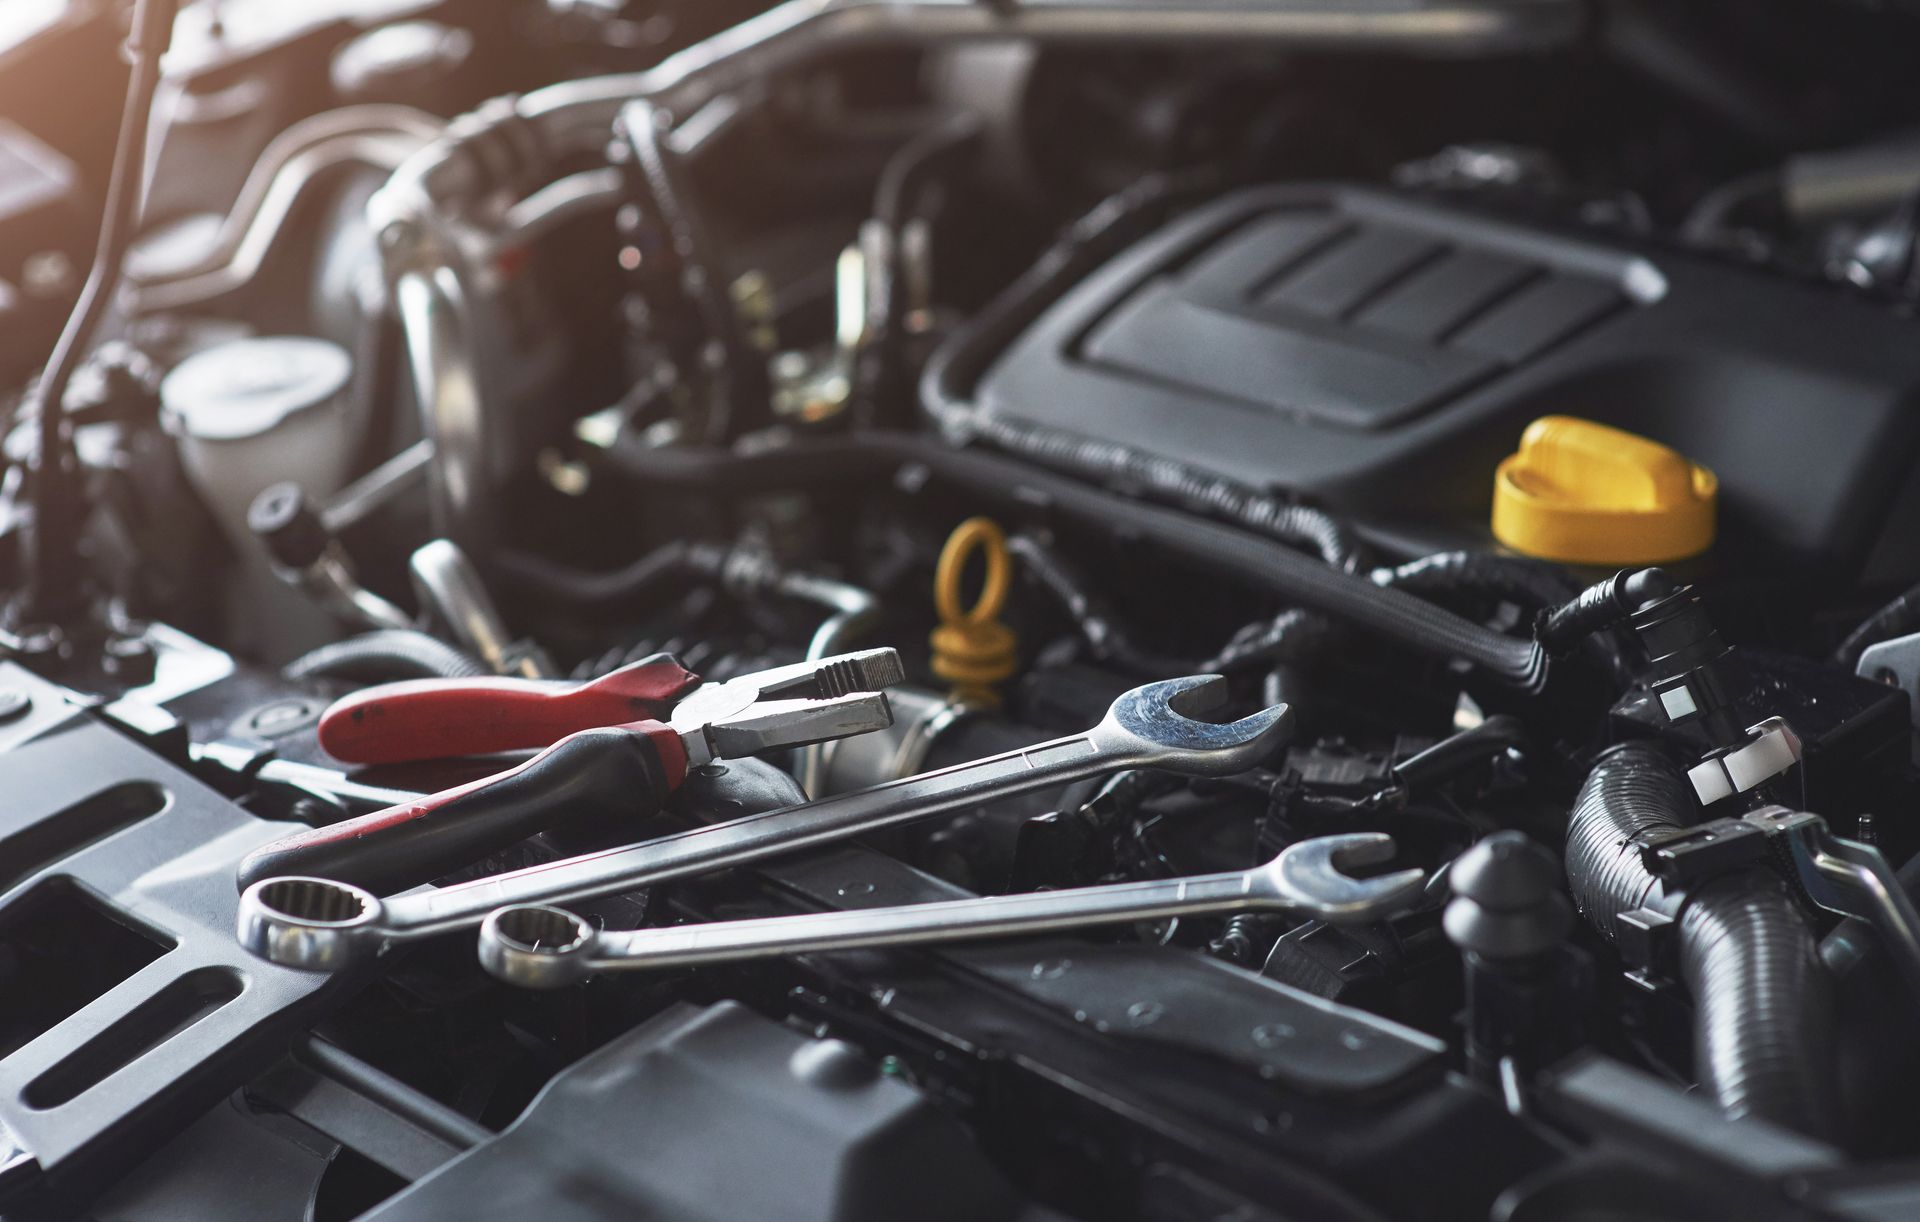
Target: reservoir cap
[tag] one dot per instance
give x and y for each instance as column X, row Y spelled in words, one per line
column 1581, row 492
column 247, row 387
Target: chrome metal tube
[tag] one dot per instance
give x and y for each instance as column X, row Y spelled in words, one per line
column 449, row 584
column 452, row 413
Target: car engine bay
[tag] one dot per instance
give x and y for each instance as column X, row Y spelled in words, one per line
column 959, row 609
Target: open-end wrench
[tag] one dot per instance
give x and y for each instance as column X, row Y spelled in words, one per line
column 541, row 947
column 325, row 925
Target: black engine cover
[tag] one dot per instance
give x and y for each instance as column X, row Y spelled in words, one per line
column 1381, row 355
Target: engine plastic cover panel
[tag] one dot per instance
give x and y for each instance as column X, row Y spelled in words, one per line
column 1381, row 354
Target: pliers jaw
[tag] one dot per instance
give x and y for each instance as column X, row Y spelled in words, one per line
column 843, row 674
column 769, row 724
column 789, row 706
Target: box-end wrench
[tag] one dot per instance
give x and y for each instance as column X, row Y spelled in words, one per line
column 323, row 925
column 540, row 947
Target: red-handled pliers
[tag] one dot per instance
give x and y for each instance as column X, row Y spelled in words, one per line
column 615, row 746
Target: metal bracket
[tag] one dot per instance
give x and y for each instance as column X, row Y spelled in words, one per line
column 1852, row 879
column 1839, row 875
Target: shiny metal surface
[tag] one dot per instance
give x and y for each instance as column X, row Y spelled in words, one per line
column 1153, row 726
column 545, row 947
column 380, row 136
column 448, row 583
column 920, row 717
column 864, row 670
column 331, row 782
column 789, row 706
column 851, row 611
column 378, row 488
column 452, row 414
column 771, row 724
column 1852, row 879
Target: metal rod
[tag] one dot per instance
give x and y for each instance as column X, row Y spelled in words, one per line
column 420, row 1110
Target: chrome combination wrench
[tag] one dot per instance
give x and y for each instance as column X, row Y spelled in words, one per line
column 324, row 925
column 544, row 947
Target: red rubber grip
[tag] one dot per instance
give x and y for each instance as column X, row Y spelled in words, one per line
column 428, row 719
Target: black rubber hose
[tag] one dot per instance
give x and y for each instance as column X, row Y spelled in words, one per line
column 1534, row 585
column 1261, row 562
column 1527, row 583
column 1764, row 1027
column 743, row 395
column 1019, row 489
column 379, row 657
column 878, row 374
column 1900, row 616
column 1763, row 1005
column 615, row 588
column 1290, row 637
column 1601, row 606
column 1294, row 636
column 1178, row 485
column 1459, row 752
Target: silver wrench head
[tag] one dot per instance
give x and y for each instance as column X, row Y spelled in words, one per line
column 1311, row 878
column 1159, row 724
column 312, row 923
column 536, row 947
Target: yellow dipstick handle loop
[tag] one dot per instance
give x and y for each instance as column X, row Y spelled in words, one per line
column 972, row 649
column 985, row 535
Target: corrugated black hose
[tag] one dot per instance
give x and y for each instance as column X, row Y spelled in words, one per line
column 1534, row 585
column 1763, row 1005
column 1515, row 579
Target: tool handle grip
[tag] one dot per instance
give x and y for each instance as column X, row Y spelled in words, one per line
column 426, row 719
column 608, row 772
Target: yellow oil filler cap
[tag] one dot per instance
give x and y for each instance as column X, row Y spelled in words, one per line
column 1588, row 493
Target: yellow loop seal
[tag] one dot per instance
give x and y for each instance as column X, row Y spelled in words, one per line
column 972, row 649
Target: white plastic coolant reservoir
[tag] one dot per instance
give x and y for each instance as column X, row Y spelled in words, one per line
column 252, row 412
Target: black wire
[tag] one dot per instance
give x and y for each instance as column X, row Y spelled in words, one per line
column 49, row 592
